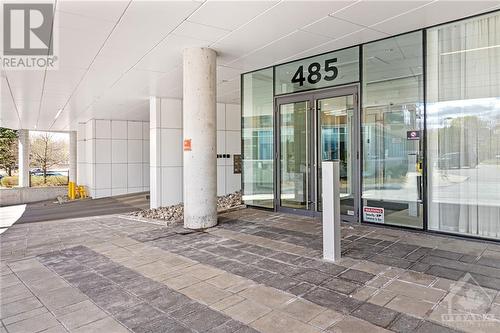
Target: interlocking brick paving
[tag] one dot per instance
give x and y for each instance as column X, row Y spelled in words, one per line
column 256, row 271
column 441, row 263
column 135, row 301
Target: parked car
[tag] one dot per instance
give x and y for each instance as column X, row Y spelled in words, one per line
column 38, row 172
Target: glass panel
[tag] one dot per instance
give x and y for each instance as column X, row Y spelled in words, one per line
column 391, row 130
column 463, row 126
column 331, row 69
column 336, row 142
column 294, row 154
column 257, row 137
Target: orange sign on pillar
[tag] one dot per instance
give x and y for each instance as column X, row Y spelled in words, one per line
column 187, row 144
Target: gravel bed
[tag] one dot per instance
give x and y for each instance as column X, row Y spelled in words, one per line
column 176, row 212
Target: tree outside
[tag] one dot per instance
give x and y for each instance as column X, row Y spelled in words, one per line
column 8, row 150
column 47, row 150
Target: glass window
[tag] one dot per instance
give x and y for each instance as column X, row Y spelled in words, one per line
column 331, row 69
column 392, row 121
column 463, row 126
column 257, row 137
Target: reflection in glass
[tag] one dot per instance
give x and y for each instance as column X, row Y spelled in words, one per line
column 336, row 133
column 392, row 106
column 294, row 155
column 463, row 126
column 257, row 137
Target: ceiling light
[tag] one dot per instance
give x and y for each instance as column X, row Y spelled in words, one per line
column 471, row 50
column 58, row 113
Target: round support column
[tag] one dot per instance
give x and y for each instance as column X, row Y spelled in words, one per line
column 200, row 138
column 72, row 156
column 24, row 157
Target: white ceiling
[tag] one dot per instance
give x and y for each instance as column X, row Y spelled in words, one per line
column 113, row 55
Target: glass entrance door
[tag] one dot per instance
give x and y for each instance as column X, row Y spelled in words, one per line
column 295, row 155
column 336, row 141
column 312, row 128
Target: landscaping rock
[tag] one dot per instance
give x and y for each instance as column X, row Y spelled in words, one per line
column 176, row 212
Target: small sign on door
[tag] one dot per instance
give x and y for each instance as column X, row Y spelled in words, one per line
column 413, row 135
column 373, row 214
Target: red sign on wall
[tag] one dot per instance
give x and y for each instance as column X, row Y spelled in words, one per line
column 187, row 145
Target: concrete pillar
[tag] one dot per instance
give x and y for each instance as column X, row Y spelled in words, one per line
column 24, row 157
column 72, row 156
column 200, row 138
column 155, row 183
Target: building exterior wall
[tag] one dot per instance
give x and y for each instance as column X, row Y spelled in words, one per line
column 113, row 157
column 428, row 127
column 166, row 150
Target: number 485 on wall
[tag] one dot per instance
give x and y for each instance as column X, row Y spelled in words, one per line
column 314, row 72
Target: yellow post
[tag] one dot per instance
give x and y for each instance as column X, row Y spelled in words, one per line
column 71, row 190
column 81, row 190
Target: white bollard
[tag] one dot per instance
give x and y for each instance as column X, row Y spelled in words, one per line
column 331, row 210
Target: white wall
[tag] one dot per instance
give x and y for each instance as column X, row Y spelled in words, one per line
column 113, row 157
column 167, row 154
column 228, row 142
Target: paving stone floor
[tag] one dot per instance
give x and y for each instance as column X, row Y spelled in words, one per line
column 257, row 271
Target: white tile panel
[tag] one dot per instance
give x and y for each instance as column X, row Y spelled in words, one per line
column 200, row 31
column 279, row 49
column 90, row 129
column 221, row 180
column 171, row 185
column 221, row 116
column 434, row 13
column 171, row 147
column 145, row 175
column 103, row 129
column 135, row 189
column 101, row 193
column 370, row 12
column 134, row 130
column 119, row 151
column 233, row 142
column 155, row 147
column 119, row 175
column 171, row 113
column 283, row 19
column 230, row 14
column 145, row 151
column 332, row 27
column 134, row 151
column 102, row 151
column 119, row 191
column 155, row 186
column 103, row 10
column 80, row 133
column 81, row 174
column 145, row 130
column 221, row 142
column 135, row 175
column 102, row 176
column 90, row 175
column 118, row 129
column 233, row 117
column 80, row 151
